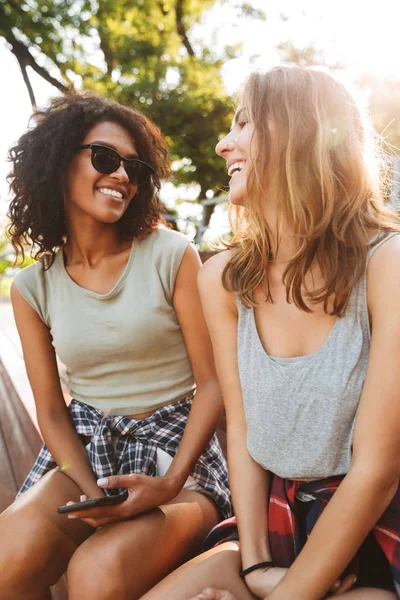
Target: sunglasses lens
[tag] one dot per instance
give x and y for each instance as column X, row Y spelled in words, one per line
column 104, row 160
column 137, row 172
column 107, row 161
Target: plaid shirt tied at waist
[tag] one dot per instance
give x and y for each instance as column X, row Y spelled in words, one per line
column 288, row 532
column 121, row 445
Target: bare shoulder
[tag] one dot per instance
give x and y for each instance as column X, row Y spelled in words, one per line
column 383, row 273
column 211, row 271
column 386, row 257
column 212, row 292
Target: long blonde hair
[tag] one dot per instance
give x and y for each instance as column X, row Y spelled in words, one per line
column 317, row 160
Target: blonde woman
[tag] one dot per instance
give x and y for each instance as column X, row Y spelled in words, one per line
column 303, row 311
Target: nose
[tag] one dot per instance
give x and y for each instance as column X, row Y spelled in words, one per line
column 120, row 173
column 224, row 145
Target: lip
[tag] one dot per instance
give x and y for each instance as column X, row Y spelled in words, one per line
column 117, row 188
column 232, row 161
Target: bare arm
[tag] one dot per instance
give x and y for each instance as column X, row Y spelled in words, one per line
column 207, row 404
column 54, row 421
column 248, row 480
column 373, row 479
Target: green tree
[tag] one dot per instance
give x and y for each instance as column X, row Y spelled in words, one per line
column 141, row 52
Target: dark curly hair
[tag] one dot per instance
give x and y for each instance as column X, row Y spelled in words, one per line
column 40, row 162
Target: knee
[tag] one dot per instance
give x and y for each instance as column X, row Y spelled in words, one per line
column 17, row 563
column 225, row 556
column 31, row 556
column 96, row 573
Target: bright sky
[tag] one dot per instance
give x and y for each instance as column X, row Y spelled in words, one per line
column 361, row 35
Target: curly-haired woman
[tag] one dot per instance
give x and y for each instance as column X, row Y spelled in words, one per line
column 305, row 323
column 115, row 296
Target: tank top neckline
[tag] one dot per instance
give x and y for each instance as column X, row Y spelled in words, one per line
column 293, row 361
column 288, row 361
column 116, row 287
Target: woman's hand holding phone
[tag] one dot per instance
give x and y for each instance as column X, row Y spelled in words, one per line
column 144, row 494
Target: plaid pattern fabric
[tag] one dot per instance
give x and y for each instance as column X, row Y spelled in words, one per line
column 288, row 533
column 121, row 445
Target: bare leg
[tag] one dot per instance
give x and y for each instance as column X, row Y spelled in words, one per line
column 36, row 543
column 360, row 594
column 123, row 560
column 218, row 568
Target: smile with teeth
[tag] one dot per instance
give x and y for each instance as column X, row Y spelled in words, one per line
column 236, row 167
column 110, row 192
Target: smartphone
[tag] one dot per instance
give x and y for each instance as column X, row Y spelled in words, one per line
column 104, row 501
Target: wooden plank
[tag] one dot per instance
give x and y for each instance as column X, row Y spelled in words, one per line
column 20, row 436
column 8, row 484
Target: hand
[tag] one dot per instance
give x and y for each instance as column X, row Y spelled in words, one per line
column 340, row 587
column 262, row 582
column 213, row 594
column 145, row 493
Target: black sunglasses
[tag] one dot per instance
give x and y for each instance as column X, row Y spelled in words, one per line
column 107, row 160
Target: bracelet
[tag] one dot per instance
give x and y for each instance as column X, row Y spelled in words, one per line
column 260, row 565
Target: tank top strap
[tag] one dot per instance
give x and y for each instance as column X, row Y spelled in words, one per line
column 359, row 294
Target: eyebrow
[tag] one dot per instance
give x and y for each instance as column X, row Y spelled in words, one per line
column 102, row 143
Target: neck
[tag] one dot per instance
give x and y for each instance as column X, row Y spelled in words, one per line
column 285, row 243
column 88, row 241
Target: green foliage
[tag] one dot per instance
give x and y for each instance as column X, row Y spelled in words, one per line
column 141, row 53
column 7, row 255
column 5, row 285
column 5, row 260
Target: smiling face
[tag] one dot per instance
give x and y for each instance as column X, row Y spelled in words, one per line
column 236, row 148
column 103, row 197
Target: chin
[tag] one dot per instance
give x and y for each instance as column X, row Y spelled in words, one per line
column 238, row 195
column 112, row 218
column 109, row 216
column 237, row 199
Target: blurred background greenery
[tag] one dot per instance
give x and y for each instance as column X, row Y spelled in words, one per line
column 169, row 58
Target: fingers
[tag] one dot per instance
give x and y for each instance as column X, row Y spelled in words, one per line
column 102, row 512
column 96, row 523
column 341, row 587
column 115, row 481
column 347, row 584
column 82, row 498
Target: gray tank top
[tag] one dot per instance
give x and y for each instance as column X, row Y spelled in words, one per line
column 301, row 411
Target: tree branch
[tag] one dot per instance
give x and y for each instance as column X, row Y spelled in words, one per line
column 181, row 28
column 25, row 59
column 28, row 84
